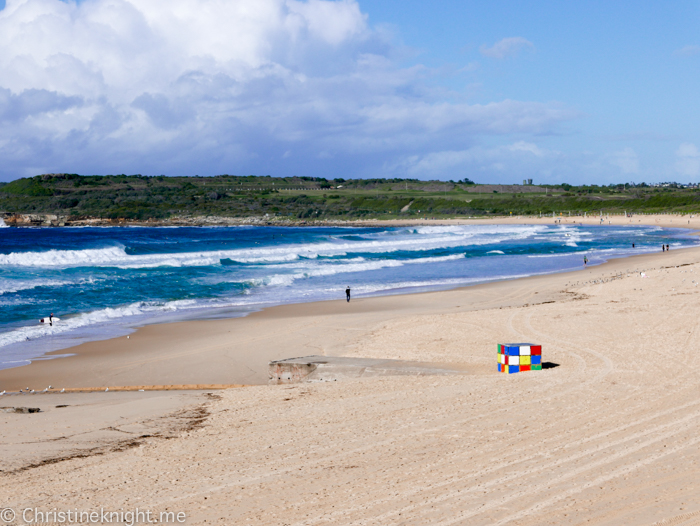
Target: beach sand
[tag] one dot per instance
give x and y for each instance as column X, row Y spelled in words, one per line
column 609, row 434
column 75, row 424
column 691, row 221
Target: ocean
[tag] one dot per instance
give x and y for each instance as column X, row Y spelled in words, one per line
column 105, row 282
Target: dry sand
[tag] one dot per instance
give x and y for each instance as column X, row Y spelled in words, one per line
column 662, row 220
column 608, row 436
column 72, row 425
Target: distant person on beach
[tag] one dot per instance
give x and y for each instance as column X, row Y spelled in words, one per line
column 666, row 248
column 632, row 245
column 347, row 294
column 585, row 261
column 51, row 319
column 663, row 248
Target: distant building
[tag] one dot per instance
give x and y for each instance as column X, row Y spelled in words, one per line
column 527, row 182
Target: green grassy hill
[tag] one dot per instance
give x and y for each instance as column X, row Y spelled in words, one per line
column 136, row 197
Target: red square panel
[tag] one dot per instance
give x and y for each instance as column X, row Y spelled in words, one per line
column 536, row 350
column 524, row 367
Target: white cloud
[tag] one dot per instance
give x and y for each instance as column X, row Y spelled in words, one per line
column 687, row 51
column 216, row 86
column 522, row 146
column 688, row 160
column 522, row 159
column 507, row 47
column 626, row 160
column 472, row 66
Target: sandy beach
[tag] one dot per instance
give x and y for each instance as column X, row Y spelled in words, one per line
column 691, row 221
column 608, row 434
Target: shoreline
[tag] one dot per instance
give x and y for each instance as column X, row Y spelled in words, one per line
column 209, row 352
column 206, row 312
column 56, row 221
column 47, row 361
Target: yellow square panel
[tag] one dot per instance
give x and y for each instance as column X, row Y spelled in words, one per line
column 524, row 360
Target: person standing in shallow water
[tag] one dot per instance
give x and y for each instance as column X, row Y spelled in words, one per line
column 585, row 261
column 347, row 294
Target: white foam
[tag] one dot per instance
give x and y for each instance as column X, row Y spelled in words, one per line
column 312, row 270
column 8, row 286
column 421, row 240
column 63, row 258
column 271, row 258
column 515, row 230
column 436, row 259
column 560, row 255
column 102, row 316
column 110, row 257
column 428, row 238
column 2, row 223
column 323, row 270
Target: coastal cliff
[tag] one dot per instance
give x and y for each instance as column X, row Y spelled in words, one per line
column 57, row 220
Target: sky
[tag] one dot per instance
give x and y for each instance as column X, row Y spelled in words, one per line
column 594, row 92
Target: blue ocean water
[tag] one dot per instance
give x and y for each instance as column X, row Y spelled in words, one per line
column 102, row 282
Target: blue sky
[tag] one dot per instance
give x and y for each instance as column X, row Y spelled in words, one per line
column 589, row 92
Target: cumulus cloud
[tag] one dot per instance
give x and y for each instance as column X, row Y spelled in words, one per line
column 687, row 51
column 688, row 160
column 626, row 160
column 214, row 86
column 33, row 103
column 507, row 47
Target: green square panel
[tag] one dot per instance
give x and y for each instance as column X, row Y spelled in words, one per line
column 535, row 367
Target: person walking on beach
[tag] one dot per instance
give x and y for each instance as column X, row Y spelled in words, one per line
column 585, row 261
column 347, row 294
column 663, row 248
column 666, row 248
